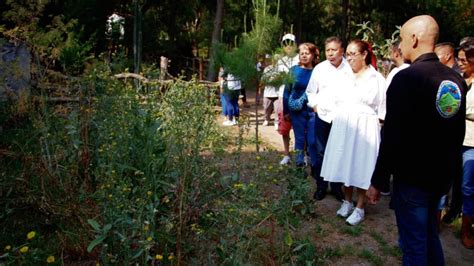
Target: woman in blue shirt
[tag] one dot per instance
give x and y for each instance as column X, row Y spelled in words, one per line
column 295, row 99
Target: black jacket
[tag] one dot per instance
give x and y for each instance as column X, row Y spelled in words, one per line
column 424, row 127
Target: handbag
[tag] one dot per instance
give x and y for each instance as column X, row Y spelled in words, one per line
column 296, row 103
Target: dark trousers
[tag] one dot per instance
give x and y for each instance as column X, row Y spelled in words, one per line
column 415, row 211
column 455, row 204
column 321, row 135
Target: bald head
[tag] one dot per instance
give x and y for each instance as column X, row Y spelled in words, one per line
column 418, row 36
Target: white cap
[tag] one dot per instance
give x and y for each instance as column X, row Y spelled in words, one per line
column 288, row 36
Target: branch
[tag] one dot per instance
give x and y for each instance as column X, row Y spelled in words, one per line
column 160, row 81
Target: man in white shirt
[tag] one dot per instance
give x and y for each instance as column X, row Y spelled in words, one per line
column 284, row 64
column 397, row 60
column 328, row 79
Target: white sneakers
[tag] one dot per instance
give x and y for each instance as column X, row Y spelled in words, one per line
column 228, row 123
column 356, row 217
column 285, row 160
column 347, row 208
column 276, row 125
column 265, row 123
column 307, row 160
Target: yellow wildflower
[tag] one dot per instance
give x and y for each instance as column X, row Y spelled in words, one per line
column 159, row 257
column 24, row 249
column 258, row 158
column 149, row 238
column 50, row 259
column 8, row 247
column 170, row 257
column 146, row 227
column 149, row 193
column 31, row 235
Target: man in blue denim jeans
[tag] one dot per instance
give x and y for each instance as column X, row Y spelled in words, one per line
column 422, row 141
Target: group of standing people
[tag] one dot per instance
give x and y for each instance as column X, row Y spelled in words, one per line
column 335, row 108
column 362, row 130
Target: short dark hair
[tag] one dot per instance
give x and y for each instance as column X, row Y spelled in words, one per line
column 468, row 48
column 466, row 39
column 396, row 46
column 333, row 39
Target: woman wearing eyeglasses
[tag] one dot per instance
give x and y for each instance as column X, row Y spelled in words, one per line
column 295, row 99
column 466, row 64
column 351, row 152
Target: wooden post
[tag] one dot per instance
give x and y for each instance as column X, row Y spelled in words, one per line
column 163, row 67
column 201, row 69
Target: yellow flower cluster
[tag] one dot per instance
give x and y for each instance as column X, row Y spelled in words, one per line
column 50, row 259
column 31, row 235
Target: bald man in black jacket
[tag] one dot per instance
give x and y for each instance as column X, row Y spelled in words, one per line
column 422, row 140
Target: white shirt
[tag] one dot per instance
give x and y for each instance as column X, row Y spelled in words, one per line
column 326, row 82
column 284, row 65
column 369, row 90
column 269, row 91
column 394, row 71
column 233, row 83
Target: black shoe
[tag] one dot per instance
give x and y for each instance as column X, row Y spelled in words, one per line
column 449, row 217
column 319, row 194
column 338, row 194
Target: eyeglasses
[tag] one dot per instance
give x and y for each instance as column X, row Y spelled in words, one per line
column 351, row 54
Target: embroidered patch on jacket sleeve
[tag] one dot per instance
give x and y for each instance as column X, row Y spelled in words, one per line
column 448, row 99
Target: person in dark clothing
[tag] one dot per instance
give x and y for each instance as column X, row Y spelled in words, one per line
column 426, row 108
column 446, row 55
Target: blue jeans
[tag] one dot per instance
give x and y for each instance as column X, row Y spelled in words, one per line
column 232, row 106
column 415, row 211
column 320, row 132
column 299, row 121
column 468, row 181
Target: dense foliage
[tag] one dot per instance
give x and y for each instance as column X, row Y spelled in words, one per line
column 67, row 32
column 97, row 169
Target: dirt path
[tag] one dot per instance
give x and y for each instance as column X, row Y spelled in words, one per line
column 380, row 220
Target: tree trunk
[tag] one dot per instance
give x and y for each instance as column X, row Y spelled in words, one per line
column 299, row 21
column 211, row 75
column 345, row 19
column 137, row 39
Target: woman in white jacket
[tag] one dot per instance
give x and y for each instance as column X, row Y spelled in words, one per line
column 353, row 144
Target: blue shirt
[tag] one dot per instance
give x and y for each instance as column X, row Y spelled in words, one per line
column 296, row 89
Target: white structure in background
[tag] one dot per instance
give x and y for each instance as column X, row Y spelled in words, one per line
column 115, row 26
